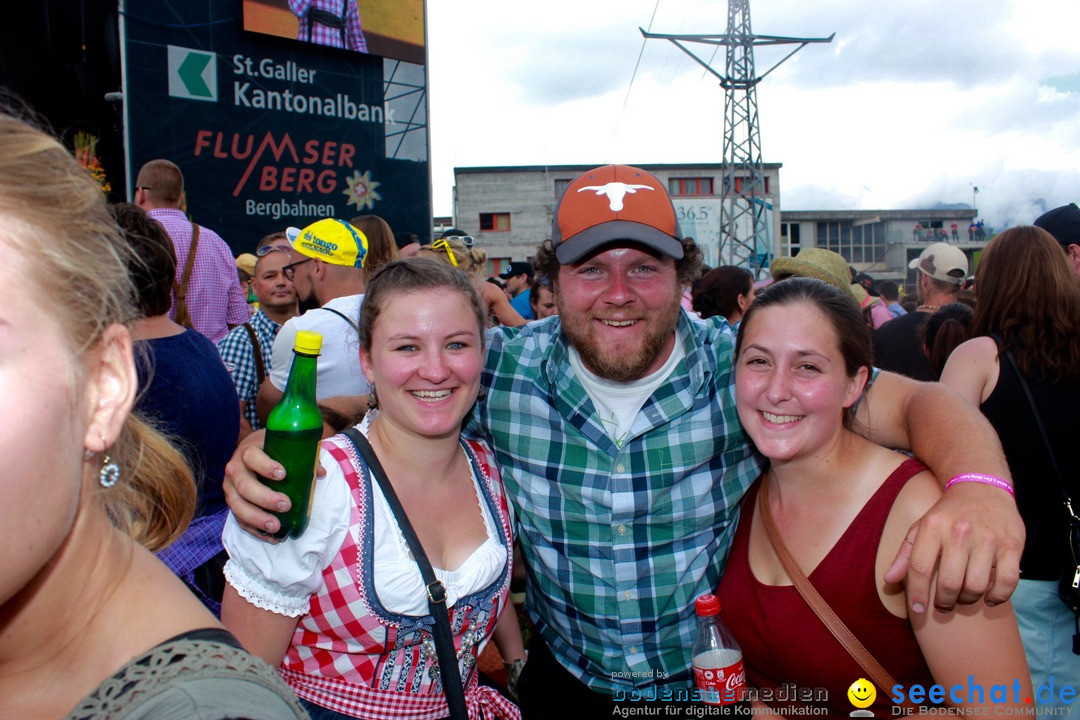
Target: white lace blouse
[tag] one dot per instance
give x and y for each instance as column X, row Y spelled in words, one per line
column 282, row 578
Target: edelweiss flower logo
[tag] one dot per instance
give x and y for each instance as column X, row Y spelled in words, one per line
column 361, row 190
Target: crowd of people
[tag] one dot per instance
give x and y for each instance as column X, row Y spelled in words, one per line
column 568, row 421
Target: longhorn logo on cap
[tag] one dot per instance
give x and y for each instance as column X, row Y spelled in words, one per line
column 615, row 192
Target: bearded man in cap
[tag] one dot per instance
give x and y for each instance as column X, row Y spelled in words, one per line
column 617, row 434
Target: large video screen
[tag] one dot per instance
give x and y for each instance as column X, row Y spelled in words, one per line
column 271, row 133
column 387, row 28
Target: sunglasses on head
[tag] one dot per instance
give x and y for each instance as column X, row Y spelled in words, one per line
column 267, row 249
column 442, row 244
column 466, row 240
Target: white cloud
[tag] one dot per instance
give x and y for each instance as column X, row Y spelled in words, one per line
column 913, row 103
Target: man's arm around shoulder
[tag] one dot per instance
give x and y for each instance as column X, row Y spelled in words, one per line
column 973, row 537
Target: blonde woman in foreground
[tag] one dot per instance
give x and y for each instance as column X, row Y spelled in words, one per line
column 91, row 623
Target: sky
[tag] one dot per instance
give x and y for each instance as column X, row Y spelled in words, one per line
column 913, row 103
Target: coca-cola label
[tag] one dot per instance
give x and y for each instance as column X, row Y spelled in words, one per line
column 721, row 685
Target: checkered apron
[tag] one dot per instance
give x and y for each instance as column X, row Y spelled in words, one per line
column 352, row 655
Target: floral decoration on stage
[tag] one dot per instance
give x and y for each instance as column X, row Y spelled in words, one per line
column 86, row 154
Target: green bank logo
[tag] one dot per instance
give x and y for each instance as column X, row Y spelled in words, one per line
column 192, row 74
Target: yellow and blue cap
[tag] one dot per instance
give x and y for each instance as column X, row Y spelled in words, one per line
column 332, row 241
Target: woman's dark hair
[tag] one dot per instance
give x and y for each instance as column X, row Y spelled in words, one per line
column 944, row 331
column 1027, row 294
column 688, row 268
column 152, row 262
column 853, row 336
column 717, row 293
column 411, row 275
column 534, row 290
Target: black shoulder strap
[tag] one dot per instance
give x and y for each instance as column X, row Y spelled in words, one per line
column 1073, row 521
column 344, row 317
column 1002, row 350
column 444, row 640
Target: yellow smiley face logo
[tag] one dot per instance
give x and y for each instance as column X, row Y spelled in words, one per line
column 862, row 693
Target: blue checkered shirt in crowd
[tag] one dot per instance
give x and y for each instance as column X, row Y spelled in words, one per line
column 238, row 355
column 619, row 539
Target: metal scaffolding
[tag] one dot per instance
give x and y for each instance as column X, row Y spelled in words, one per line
column 745, row 237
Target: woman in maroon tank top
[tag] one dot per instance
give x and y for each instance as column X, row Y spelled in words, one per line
column 843, row 506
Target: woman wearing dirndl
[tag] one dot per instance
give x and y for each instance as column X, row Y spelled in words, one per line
column 343, row 610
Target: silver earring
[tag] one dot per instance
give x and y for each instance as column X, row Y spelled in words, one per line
column 109, row 474
column 372, row 400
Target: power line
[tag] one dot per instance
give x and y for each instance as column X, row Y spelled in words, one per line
column 622, row 110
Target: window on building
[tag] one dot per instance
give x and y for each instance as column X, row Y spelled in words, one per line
column 494, row 222
column 859, row 243
column 560, row 186
column 691, row 186
column 741, row 182
column 932, row 231
column 789, row 239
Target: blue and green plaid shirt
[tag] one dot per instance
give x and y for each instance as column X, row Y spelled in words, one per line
column 618, row 539
column 238, row 354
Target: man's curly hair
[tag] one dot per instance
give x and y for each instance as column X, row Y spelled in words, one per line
column 546, row 265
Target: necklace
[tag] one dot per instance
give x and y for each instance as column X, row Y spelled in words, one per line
column 928, row 307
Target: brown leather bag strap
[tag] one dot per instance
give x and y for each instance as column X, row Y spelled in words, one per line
column 876, row 673
column 183, row 317
column 260, row 368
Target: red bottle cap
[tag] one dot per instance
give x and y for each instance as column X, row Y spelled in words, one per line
column 707, row 605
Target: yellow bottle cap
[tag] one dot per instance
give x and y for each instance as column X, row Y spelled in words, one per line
column 308, row 342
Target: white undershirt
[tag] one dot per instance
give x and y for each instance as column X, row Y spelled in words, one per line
column 618, row 403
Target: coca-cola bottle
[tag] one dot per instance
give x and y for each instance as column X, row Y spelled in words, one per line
column 717, row 659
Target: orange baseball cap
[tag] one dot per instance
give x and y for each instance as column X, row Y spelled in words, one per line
column 615, row 204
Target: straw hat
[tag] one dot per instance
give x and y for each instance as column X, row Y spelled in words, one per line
column 246, row 262
column 816, row 263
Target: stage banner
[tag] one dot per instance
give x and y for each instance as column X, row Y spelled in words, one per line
column 271, row 131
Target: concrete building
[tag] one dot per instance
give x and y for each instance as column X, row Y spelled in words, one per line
column 509, row 209
column 879, row 242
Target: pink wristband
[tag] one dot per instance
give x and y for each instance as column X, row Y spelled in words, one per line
column 984, row 479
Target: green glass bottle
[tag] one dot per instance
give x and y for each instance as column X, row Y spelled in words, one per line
column 293, row 432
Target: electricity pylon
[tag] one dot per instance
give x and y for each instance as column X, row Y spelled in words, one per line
column 744, row 223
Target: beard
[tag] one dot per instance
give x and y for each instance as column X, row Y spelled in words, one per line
column 310, row 302
column 618, row 362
